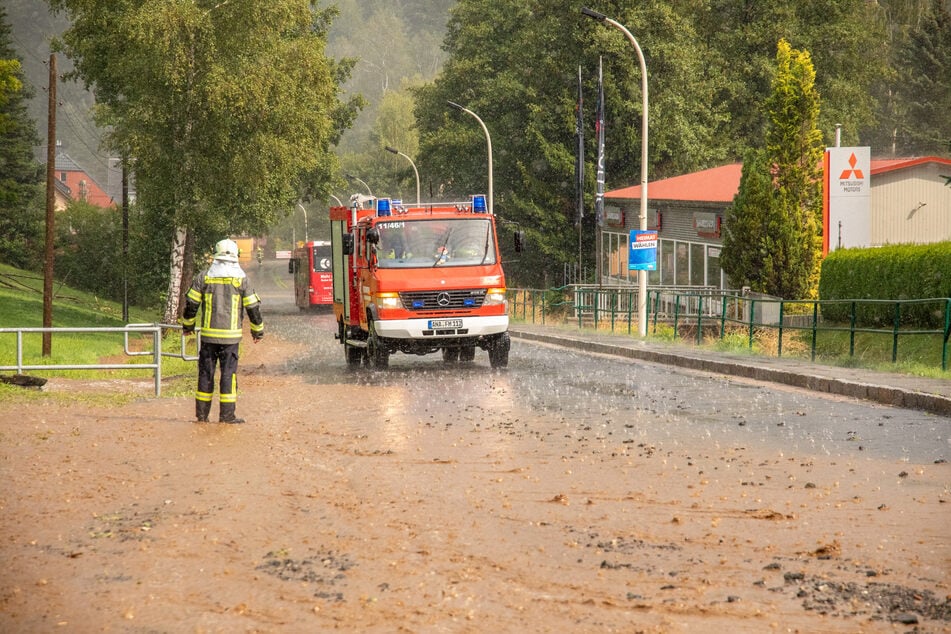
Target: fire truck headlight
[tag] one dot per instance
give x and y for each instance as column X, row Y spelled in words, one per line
column 388, row 300
column 494, row 297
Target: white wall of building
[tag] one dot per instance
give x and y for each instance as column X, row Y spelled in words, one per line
column 911, row 205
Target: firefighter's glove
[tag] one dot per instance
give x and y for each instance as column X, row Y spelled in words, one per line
column 188, row 330
column 257, row 336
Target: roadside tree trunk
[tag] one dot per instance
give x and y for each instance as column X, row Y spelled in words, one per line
column 188, row 270
column 176, row 264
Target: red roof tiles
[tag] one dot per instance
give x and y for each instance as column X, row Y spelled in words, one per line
column 720, row 184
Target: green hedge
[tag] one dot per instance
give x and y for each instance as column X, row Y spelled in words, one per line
column 902, row 272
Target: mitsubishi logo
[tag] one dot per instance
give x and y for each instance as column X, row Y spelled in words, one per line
column 857, row 173
column 443, row 299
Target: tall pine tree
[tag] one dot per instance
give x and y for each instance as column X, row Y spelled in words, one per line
column 925, row 68
column 773, row 238
column 21, row 213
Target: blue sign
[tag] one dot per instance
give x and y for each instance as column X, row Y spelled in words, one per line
column 642, row 255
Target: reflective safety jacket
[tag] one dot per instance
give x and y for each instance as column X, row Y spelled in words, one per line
column 223, row 301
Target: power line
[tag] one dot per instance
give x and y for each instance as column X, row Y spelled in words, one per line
column 71, row 123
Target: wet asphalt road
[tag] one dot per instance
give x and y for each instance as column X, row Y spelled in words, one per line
column 601, row 397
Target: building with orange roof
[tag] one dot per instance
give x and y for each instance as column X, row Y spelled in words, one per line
column 910, row 203
column 80, row 184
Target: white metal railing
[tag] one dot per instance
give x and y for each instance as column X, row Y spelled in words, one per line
column 156, row 353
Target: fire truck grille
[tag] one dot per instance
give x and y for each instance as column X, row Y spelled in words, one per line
column 443, row 300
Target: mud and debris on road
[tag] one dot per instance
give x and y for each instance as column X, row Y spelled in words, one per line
column 350, row 502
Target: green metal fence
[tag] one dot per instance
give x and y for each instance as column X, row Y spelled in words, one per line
column 718, row 312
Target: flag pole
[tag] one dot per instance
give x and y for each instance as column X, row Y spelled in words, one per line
column 599, row 193
column 579, row 169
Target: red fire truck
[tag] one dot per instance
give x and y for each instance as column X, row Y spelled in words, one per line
column 313, row 280
column 418, row 280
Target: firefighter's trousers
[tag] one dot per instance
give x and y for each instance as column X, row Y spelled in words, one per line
column 210, row 355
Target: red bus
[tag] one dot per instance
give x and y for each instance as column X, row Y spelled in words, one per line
column 313, row 277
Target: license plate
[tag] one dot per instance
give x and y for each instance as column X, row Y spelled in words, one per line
column 444, row 323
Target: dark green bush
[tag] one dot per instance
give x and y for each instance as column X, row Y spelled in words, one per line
column 89, row 255
column 898, row 272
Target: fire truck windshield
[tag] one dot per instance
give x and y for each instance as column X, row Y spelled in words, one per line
column 435, row 242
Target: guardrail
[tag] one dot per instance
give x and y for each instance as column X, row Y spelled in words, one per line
column 709, row 310
column 156, row 352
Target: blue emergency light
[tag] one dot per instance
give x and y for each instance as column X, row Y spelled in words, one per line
column 383, row 207
column 478, row 204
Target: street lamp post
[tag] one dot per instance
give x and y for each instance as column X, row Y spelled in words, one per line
column 305, row 220
column 488, row 141
column 393, row 150
column 354, row 178
column 641, row 275
column 337, row 200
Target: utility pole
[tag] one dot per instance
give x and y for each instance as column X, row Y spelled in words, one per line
column 50, row 211
column 125, row 240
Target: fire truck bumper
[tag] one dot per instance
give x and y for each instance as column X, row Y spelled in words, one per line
column 442, row 327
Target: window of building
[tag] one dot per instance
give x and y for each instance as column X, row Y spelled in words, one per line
column 679, row 262
column 698, row 264
column 714, row 274
column 666, row 262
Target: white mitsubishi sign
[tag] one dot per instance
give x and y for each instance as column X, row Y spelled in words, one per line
column 846, row 209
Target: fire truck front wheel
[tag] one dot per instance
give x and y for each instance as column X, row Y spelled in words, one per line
column 376, row 350
column 499, row 350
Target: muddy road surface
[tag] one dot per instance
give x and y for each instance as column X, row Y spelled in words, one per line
column 566, row 493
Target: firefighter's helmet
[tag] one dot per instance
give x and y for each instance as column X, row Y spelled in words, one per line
column 226, row 251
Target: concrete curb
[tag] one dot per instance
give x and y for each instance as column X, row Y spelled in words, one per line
column 817, row 382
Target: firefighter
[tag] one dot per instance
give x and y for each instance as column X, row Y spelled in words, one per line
column 223, row 294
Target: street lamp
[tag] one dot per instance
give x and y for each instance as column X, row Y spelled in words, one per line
column 488, row 141
column 641, row 275
column 393, row 150
column 350, row 177
column 305, row 219
column 337, row 200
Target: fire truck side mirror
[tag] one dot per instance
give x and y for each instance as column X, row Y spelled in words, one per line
column 519, row 241
column 292, row 266
column 347, row 244
column 373, row 236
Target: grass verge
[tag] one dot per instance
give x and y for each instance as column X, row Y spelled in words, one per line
column 918, row 354
column 21, row 306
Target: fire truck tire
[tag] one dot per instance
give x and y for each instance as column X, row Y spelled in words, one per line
column 499, row 351
column 467, row 354
column 354, row 355
column 450, row 355
column 378, row 354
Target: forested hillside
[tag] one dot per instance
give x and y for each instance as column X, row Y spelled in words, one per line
column 32, row 28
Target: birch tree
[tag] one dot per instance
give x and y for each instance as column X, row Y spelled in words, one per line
column 220, row 106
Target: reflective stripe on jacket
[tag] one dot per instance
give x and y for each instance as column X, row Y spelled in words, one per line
column 223, row 301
